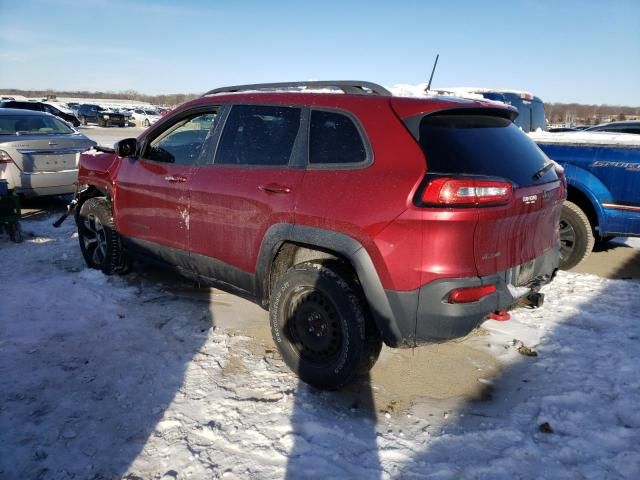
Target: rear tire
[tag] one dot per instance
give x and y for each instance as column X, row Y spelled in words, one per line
column 146, row 122
column 322, row 327
column 576, row 236
column 99, row 241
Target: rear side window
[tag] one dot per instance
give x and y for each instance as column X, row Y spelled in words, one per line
column 481, row 145
column 334, row 139
column 258, row 135
column 538, row 120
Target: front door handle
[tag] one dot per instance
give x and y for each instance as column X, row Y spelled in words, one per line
column 175, row 178
column 275, row 188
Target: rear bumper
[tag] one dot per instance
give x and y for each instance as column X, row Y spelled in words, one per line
column 424, row 315
column 46, row 183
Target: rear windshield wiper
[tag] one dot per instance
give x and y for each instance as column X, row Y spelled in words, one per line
column 540, row 173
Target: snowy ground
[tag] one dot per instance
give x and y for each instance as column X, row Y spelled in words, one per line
column 140, row 377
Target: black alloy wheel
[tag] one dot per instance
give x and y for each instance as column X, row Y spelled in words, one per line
column 99, row 241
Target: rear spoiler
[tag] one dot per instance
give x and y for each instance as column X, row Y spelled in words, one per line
column 413, row 123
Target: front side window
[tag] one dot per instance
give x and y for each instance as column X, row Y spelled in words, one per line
column 182, row 142
column 334, row 139
column 258, row 135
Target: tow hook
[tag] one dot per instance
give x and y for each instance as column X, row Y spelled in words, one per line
column 533, row 300
column 499, row 315
column 70, row 209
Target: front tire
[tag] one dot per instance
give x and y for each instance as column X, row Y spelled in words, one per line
column 576, row 236
column 99, row 241
column 322, row 327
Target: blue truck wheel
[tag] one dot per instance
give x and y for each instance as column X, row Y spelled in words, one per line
column 576, row 236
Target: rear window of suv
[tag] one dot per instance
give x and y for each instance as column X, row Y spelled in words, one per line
column 476, row 144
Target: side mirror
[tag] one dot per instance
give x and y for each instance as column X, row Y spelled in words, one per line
column 126, row 147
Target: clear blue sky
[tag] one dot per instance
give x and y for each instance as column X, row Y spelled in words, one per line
column 584, row 51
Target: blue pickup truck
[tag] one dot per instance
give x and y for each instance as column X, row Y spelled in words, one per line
column 603, row 176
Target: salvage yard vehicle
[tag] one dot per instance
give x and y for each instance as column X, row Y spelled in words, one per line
column 88, row 113
column 623, row 126
column 603, row 175
column 354, row 218
column 144, row 117
column 39, row 153
column 42, row 107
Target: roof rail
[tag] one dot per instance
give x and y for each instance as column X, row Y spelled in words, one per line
column 353, row 87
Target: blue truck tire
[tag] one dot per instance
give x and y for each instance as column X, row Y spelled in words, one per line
column 576, row 236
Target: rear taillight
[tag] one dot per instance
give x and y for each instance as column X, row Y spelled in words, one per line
column 471, row 294
column 5, row 157
column 466, row 192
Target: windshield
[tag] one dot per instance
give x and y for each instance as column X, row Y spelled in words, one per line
column 482, row 145
column 33, row 125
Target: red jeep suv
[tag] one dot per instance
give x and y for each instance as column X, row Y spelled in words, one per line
column 353, row 216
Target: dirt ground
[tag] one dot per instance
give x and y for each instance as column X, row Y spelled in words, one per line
column 401, row 378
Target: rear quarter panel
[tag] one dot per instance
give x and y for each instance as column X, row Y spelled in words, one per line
column 361, row 202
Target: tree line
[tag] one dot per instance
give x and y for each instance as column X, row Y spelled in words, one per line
column 169, row 100
column 581, row 114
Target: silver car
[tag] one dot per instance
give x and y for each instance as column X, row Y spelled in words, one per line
column 39, row 153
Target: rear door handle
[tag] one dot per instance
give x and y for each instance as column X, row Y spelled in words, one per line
column 275, row 188
column 175, row 178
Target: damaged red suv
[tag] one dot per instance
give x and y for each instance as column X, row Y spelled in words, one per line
column 353, row 216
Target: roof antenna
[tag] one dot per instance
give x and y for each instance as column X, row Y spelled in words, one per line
column 432, row 72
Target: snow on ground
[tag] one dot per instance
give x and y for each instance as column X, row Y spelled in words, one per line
column 631, row 241
column 587, row 138
column 108, row 377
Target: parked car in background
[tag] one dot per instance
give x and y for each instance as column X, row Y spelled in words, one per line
column 42, row 107
column 127, row 113
column 628, row 126
column 39, row 152
column 90, row 113
column 603, row 175
column 143, row 117
column 562, row 129
column 355, row 219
